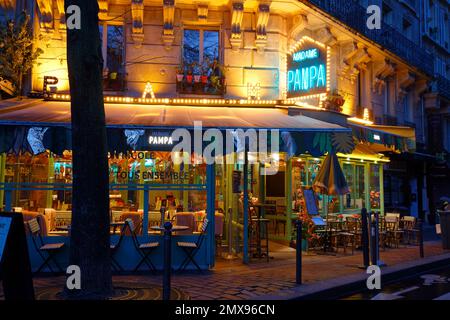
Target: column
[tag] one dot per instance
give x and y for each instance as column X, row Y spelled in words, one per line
column 210, row 211
column 288, row 198
column 50, row 179
column 381, row 189
column 367, row 186
column 2, row 177
column 140, row 193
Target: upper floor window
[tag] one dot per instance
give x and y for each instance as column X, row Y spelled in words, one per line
column 407, row 28
column 200, row 46
column 201, row 71
column 113, row 41
column 387, row 14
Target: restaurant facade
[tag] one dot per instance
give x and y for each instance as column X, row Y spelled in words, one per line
column 284, row 73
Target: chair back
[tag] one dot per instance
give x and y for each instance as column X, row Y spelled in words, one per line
column 41, row 219
column 351, row 225
column 185, row 219
column 391, row 223
column 136, row 218
column 35, row 231
column 408, row 222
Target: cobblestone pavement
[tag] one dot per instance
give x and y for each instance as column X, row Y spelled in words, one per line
column 233, row 280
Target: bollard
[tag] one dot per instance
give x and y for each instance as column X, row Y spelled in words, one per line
column 374, row 238
column 422, row 254
column 365, row 237
column 298, row 270
column 167, row 260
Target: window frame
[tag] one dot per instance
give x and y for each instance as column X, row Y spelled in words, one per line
column 202, row 29
column 104, row 24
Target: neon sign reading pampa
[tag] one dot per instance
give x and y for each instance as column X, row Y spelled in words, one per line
column 307, row 71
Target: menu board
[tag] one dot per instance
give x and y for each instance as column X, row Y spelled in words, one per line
column 5, row 224
column 310, row 201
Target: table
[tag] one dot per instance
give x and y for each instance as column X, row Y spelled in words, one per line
column 259, row 254
column 174, row 228
column 116, row 225
column 113, row 225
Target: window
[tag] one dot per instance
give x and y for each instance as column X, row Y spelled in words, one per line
column 201, row 71
column 113, row 55
column 387, row 14
column 200, row 46
column 407, row 28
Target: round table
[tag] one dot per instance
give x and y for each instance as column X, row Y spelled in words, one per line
column 174, row 228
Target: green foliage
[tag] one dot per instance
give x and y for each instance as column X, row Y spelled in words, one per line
column 17, row 53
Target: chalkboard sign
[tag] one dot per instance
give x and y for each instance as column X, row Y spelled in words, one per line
column 310, row 201
column 15, row 265
column 275, row 185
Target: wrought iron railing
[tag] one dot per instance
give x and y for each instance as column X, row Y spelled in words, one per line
column 355, row 16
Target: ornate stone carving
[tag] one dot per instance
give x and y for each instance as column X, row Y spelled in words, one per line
column 103, row 9
column 137, row 14
column 168, row 21
column 46, row 12
column 261, row 26
column 7, row 4
column 237, row 14
column 202, row 12
column 381, row 71
column 325, row 36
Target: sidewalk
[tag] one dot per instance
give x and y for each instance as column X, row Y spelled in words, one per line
column 233, row 280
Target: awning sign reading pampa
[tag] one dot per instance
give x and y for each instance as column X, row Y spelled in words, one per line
column 36, row 140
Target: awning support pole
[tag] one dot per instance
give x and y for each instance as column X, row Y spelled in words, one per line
column 245, row 251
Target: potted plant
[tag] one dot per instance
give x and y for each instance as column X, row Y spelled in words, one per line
column 334, row 101
column 197, row 71
column 189, row 76
column 217, row 77
column 308, row 229
column 204, row 77
column 180, row 72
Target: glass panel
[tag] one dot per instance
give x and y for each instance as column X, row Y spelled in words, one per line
column 374, row 175
column 114, row 51
column 210, row 46
column 354, row 174
column 191, row 46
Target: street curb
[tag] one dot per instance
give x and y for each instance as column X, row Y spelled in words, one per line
column 338, row 287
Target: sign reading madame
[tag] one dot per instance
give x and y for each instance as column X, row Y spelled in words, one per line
column 307, row 71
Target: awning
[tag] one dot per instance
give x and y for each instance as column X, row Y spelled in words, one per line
column 130, row 125
column 364, row 152
column 386, row 138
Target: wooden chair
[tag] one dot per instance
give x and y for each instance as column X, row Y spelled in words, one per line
column 46, row 251
column 350, row 234
column 411, row 232
column 393, row 233
column 191, row 248
column 144, row 249
column 333, row 234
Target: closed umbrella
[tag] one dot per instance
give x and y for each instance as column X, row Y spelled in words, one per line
column 331, row 180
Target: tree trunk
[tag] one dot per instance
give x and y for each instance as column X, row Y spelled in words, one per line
column 89, row 243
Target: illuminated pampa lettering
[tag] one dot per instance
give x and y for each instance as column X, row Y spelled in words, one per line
column 160, row 140
column 307, row 78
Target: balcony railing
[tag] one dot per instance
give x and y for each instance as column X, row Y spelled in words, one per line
column 355, row 16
